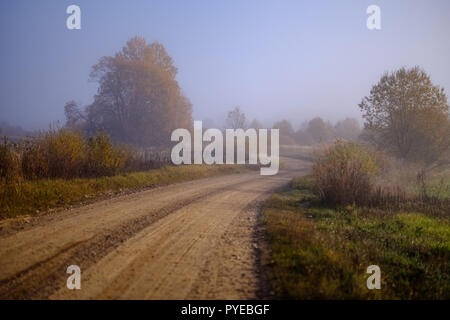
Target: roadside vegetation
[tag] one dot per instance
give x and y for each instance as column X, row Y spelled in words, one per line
column 321, row 251
column 60, row 167
column 384, row 201
column 120, row 141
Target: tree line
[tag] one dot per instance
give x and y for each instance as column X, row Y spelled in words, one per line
column 317, row 130
column 405, row 115
column 139, row 102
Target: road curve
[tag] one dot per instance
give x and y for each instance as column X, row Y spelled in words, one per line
column 192, row 240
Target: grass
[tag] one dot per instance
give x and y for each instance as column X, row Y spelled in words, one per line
column 33, row 196
column 319, row 252
column 438, row 185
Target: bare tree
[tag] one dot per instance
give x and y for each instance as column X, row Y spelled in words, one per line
column 75, row 118
column 236, row 119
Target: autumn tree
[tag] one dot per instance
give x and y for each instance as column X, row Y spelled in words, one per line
column 138, row 101
column 408, row 115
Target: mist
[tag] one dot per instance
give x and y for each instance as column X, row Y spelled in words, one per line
column 292, row 60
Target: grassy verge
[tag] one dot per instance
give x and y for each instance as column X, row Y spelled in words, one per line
column 317, row 252
column 31, row 197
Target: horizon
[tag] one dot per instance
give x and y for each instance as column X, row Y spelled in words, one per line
column 268, row 59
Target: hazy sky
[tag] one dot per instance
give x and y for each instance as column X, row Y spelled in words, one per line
column 276, row 59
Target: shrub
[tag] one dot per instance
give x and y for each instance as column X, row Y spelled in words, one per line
column 61, row 153
column 64, row 153
column 343, row 174
column 54, row 154
column 103, row 159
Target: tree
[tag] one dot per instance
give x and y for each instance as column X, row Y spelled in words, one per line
column 75, row 118
column 348, row 129
column 286, row 132
column 236, row 119
column 320, row 130
column 285, row 128
column 138, row 101
column 255, row 124
column 408, row 115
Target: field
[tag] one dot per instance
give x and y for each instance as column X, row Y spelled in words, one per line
column 322, row 252
column 297, row 152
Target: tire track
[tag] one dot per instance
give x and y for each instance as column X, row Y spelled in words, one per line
column 40, row 279
column 189, row 240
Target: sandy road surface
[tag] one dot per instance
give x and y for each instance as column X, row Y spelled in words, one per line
column 191, row 240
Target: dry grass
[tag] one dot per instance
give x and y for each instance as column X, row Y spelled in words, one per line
column 322, row 252
column 348, row 174
column 297, row 152
column 358, row 208
column 59, row 153
column 60, row 167
column 33, row 196
column 344, row 174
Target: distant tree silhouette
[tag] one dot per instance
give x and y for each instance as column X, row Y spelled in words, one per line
column 236, row 119
column 75, row 117
column 285, row 128
column 320, row 130
column 255, row 124
column 348, row 129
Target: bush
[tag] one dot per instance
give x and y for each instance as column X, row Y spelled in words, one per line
column 65, row 154
column 103, row 159
column 54, row 154
column 61, row 153
column 344, row 173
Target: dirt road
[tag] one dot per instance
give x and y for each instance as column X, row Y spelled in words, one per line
column 191, row 240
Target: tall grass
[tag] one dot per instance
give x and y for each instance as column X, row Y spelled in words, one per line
column 350, row 174
column 320, row 252
column 60, row 153
column 344, row 173
column 60, row 167
column 10, row 168
column 33, row 196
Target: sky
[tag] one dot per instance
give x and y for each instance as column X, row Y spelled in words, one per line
column 275, row 59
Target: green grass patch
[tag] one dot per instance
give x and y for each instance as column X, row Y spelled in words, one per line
column 32, row 197
column 318, row 252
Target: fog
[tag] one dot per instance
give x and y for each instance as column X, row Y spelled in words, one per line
column 275, row 59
